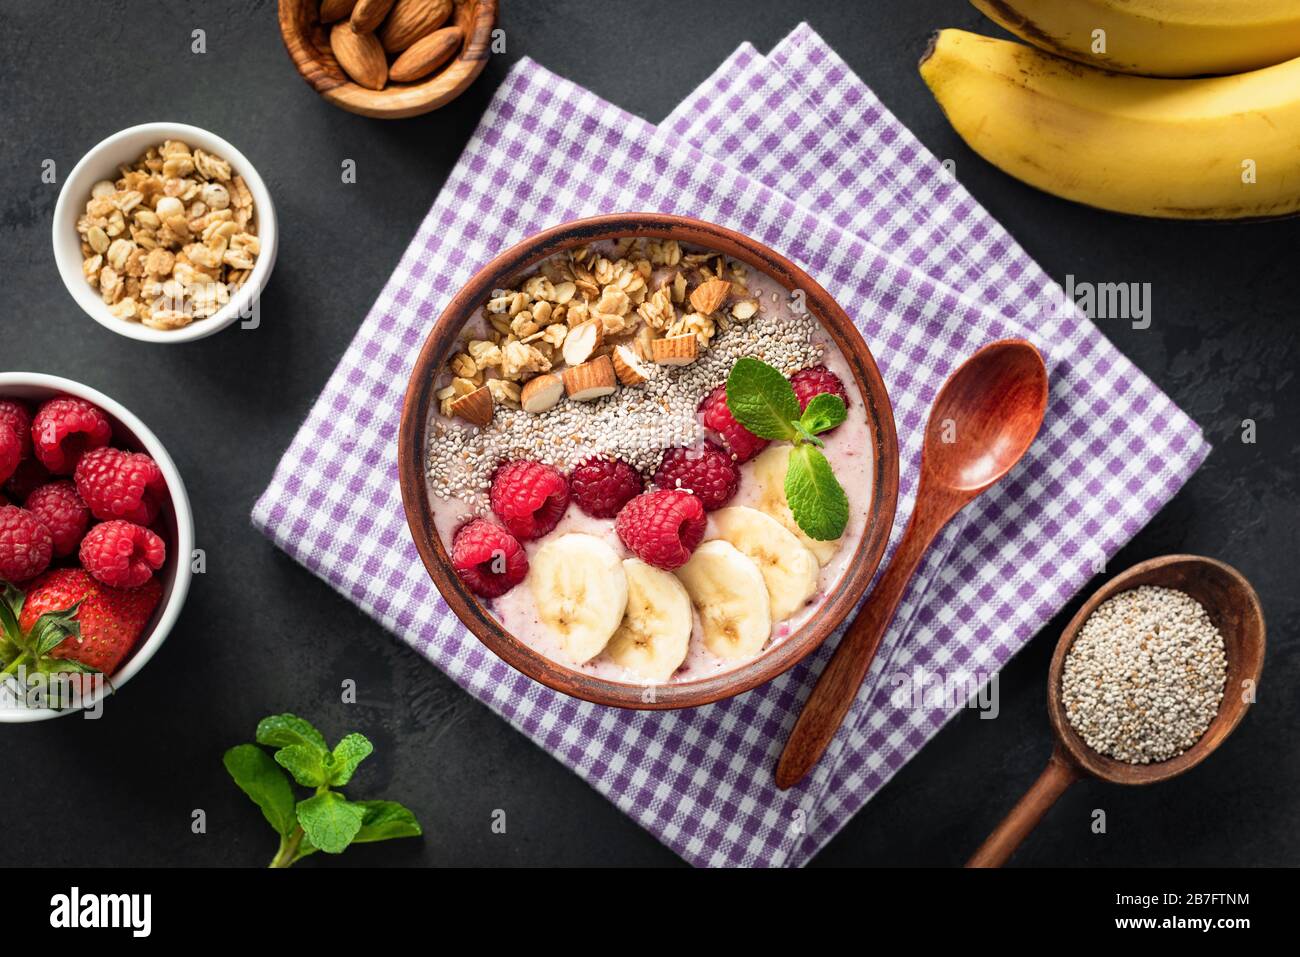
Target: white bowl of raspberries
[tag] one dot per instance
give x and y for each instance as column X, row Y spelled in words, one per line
column 96, row 539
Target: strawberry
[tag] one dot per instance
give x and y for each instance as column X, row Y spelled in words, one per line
column 102, row 624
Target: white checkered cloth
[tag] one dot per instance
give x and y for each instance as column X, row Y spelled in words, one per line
column 794, row 150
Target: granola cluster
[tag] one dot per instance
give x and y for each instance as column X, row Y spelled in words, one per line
column 637, row 292
column 171, row 240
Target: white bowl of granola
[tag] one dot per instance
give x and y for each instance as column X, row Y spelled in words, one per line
column 164, row 232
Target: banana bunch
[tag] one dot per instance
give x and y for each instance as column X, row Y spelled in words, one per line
column 757, row 568
column 1156, row 37
column 1219, row 147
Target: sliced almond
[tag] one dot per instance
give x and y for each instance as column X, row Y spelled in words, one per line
column 582, row 341
column 540, row 393
column 591, row 380
column 475, row 407
column 675, row 350
column 709, row 295
column 628, row 366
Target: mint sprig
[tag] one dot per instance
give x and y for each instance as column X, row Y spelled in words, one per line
column 326, row 821
column 763, row 401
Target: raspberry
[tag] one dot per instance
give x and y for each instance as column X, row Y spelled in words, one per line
column 814, row 381
column 488, row 558
column 122, row 555
column 707, row 470
column 11, row 450
column 64, row 429
column 20, row 420
column 662, row 527
column 736, row 439
column 529, row 498
column 25, row 545
column 602, row 486
column 118, row 484
column 60, row 509
column 29, row 476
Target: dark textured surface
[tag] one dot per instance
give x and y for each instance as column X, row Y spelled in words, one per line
column 260, row 635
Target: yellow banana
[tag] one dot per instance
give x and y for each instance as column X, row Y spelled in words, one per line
column 1210, row 148
column 1157, row 37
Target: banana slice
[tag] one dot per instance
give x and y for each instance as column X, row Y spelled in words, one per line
column 769, row 475
column 789, row 569
column 731, row 597
column 581, row 592
column 656, row 630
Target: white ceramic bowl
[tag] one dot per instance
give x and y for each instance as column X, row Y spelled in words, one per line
column 102, row 162
column 128, row 432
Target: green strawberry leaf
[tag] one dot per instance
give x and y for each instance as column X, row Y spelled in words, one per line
column 824, row 412
column 762, row 400
column 268, row 787
column 330, row 820
column 53, row 628
column 11, row 609
column 348, row 753
column 305, row 763
column 385, row 820
column 283, row 730
column 816, row 498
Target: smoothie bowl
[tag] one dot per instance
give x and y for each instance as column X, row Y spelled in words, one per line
column 647, row 461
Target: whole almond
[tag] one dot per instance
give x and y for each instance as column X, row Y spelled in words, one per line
column 360, row 55
column 424, row 56
column 412, row 20
column 331, row 10
column 368, row 14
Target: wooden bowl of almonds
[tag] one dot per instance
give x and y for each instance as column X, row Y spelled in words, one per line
column 388, row 59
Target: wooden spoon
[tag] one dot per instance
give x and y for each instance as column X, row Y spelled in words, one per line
column 983, row 421
column 1234, row 608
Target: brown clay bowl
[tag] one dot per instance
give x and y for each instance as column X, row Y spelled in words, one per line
column 308, row 44
column 420, row 402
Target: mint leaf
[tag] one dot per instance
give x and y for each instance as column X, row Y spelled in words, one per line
column 348, row 753
column 283, row 730
column 330, row 820
column 816, row 498
column 384, row 821
column 305, row 763
column 762, row 400
column 258, row 777
column 824, row 412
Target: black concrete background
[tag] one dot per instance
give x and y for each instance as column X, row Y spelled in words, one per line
column 260, row 635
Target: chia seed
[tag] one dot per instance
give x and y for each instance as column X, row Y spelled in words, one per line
column 1145, row 676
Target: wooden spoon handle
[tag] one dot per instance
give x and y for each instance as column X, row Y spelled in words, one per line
column 838, row 685
column 1059, row 774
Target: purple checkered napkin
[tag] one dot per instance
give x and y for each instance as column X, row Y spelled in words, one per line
column 802, row 122
column 700, row 780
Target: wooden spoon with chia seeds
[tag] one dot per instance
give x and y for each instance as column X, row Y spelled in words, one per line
column 1232, row 606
